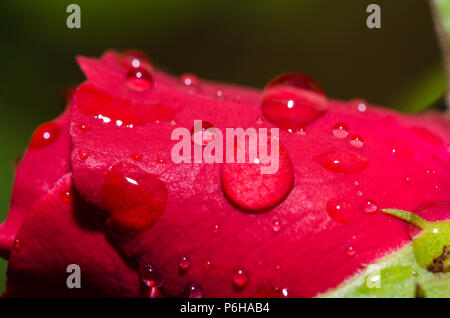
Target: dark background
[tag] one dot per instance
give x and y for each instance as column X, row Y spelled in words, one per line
column 245, row 42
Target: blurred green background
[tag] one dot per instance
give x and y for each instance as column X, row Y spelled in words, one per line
column 245, row 42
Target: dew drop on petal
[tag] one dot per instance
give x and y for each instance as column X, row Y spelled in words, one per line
column 184, row 264
column 370, row 206
column 216, row 228
column 203, row 133
column 83, row 154
column 350, row 251
column 276, row 226
column 85, row 127
column 357, row 141
column 343, row 161
column 193, row 290
column 208, row 265
column 189, row 80
column 340, row 210
column 150, row 276
column 137, row 156
column 44, row 135
column 134, row 198
column 293, row 100
column 138, row 79
column 17, row 245
column 240, row 279
column 66, row 197
column 340, row 130
column 271, row 292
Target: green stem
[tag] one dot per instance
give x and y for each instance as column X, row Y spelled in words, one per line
column 408, row 217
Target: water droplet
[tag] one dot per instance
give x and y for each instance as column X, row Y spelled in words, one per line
column 278, row 268
column 66, row 197
column 173, row 123
column 184, row 264
column 340, row 130
column 208, row 265
column 356, row 183
column 85, row 127
column 293, row 100
column 138, row 79
column 301, row 131
column 276, row 226
column 189, row 79
column 17, row 245
column 296, row 80
column 135, row 199
column 343, row 161
column 219, row 94
column 240, row 279
column 114, row 110
column 160, row 161
column 193, row 290
column 203, row 133
column 137, row 156
column 359, row 193
column 360, row 104
column 216, row 228
column 83, row 154
column 370, row 207
column 256, row 186
column 341, row 211
column 44, row 135
column 350, row 251
column 357, row 141
column 150, row 276
column 259, row 121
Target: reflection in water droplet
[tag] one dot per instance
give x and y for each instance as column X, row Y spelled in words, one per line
column 340, row 130
column 138, row 79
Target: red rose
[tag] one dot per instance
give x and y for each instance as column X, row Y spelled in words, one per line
column 98, row 188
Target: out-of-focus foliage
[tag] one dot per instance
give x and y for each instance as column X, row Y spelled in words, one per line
column 246, row 42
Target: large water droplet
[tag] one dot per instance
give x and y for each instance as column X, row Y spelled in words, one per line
column 135, row 199
column 343, row 161
column 340, row 210
column 150, row 276
column 44, row 135
column 138, row 79
column 240, row 279
column 203, row 133
column 293, row 100
column 245, row 184
column 193, row 290
column 340, row 130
